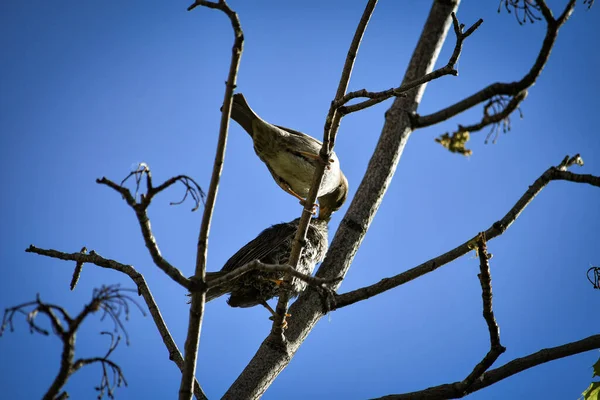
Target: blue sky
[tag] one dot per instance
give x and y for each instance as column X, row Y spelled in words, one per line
column 90, row 90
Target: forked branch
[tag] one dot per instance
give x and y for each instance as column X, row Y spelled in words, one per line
column 448, row 69
column 140, row 209
column 142, row 289
column 112, row 300
column 517, row 91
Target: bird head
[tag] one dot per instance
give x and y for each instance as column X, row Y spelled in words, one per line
column 333, row 201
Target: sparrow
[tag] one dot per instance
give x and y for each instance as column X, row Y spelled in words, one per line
column 271, row 246
column 291, row 158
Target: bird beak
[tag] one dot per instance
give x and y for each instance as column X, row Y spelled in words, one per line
column 325, row 213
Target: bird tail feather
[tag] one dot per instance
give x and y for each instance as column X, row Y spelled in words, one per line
column 242, row 113
column 218, row 291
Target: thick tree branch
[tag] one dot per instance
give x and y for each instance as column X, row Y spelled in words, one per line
column 143, row 290
column 498, row 228
column 198, row 298
column 517, row 90
column 452, row 390
column 273, row 356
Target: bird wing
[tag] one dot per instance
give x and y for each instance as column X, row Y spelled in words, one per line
column 302, row 140
column 260, row 247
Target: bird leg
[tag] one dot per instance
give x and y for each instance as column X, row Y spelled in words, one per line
column 274, row 314
column 317, row 158
column 314, row 207
column 268, row 307
column 288, row 189
column 278, row 282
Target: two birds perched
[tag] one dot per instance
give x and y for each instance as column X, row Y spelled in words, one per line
column 291, row 157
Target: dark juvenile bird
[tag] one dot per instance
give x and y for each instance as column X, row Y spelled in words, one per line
column 272, row 246
column 292, row 157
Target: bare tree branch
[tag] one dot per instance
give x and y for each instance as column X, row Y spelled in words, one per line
column 115, row 369
column 273, row 355
column 496, row 349
column 498, row 228
column 112, row 300
column 517, row 90
column 525, row 10
column 92, row 258
column 143, row 290
column 450, row 391
column 485, row 278
column 77, row 271
column 198, row 297
column 378, row 97
column 144, row 222
column 40, row 307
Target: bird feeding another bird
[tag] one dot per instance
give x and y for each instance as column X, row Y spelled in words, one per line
column 271, row 246
column 291, row 158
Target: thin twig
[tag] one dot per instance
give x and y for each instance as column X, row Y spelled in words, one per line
column 198, row 297
column 117, row 373
column 524, row 10
column 77, row 271
column 593, row 275
column 502, row 107
column 330, row 132
column 259, row 266
column 109, row 298
column 496, row 349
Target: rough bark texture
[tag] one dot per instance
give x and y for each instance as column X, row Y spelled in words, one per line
column 271, row 358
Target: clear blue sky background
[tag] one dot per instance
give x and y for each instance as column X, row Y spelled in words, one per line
column 91, row 89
